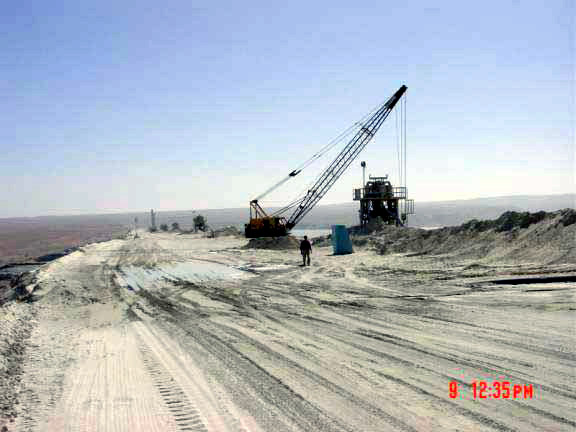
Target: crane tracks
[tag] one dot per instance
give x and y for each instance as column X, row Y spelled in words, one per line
column 195, row 404
column 185, row 413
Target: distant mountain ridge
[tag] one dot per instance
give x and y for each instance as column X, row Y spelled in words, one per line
column 428, row 214
column 449, row 213
column 26, row 238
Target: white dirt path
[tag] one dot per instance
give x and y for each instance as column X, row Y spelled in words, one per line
column 181, row 333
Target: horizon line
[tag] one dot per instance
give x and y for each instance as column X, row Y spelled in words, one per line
column 126, row 212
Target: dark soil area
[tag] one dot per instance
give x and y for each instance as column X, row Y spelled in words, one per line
column 25, row 240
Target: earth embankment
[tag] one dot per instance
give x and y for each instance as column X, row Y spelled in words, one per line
column 546, row 238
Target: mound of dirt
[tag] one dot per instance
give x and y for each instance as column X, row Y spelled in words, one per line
column 322, row 241
column 228, row 231
column 546, row 238
column 275, row 243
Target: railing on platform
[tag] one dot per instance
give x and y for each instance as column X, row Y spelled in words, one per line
column 400, row 192
column 409, row 203
column 397, row 193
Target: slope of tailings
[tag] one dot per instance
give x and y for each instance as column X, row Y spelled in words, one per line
column 547, row 238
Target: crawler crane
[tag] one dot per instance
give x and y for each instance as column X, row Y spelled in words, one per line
column 275, row 225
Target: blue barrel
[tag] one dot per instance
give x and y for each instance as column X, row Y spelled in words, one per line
column 341, row 243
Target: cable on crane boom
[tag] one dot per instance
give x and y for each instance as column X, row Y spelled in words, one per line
column 331, row 144
column 288, row 207
column 263, row 225
column 344, row 159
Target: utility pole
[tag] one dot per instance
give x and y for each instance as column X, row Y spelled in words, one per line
column 152, row 220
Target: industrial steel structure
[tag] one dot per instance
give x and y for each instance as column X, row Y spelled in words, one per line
column 382, row 202
column 152, row 220
column 263, row 225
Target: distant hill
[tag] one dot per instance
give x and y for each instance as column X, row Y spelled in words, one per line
column 428, row 214
column 448, row 213
column 30, row 237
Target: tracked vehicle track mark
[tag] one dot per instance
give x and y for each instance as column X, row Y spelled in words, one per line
column 194, row 403
column 185, row 413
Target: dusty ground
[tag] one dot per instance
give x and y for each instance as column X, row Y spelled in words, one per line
column 175, row 332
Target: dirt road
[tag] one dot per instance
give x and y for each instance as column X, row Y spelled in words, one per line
column 180, row 333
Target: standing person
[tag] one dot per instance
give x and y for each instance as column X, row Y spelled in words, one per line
column 305, row 250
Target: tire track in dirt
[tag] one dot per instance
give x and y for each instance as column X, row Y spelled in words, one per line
column 475, row 362
column 274, row 403
column 185, row 414
column 352, row 314
column 343, row 344
column 482, row 414
column 300, row 351
column 305, row 375
column 429, row 319
column 341, row 330
column 196, row 404
column 304, row 378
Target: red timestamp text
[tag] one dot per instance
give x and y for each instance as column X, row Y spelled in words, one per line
column 491, row 390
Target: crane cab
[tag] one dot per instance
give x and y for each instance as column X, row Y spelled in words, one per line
column 270, row 226
column 262, row 225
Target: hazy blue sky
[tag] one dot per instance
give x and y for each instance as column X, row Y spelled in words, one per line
column 128, row 105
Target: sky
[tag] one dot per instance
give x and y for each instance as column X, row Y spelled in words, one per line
column 109, row 106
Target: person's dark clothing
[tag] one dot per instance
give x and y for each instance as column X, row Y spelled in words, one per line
column 305, row 250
